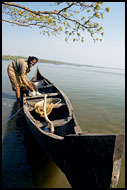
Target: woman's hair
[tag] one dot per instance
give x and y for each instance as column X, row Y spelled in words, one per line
column 31, row 58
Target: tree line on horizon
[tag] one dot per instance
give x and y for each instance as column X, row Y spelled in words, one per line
column 10, row 57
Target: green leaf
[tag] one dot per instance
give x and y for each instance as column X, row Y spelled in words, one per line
column 78, row 34
column 82, row 40
column 107, row 9
column 66, row 32
column 60, row 28
column 88, row 10
column 65, row 14
column 97, row 15
column 71, row 14
column 82, row 18
column 97, row 7
column 66, row 39
column 56, row 10
column 68, row 24
column 77, row 11
column 102, row 15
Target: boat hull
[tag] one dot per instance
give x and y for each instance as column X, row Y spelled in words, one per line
column 87, row 160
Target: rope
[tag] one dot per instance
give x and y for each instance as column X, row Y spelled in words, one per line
column 46, row 117
column 39, row 107
column 13, row 115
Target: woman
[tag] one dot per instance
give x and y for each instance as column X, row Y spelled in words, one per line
column 17, row 72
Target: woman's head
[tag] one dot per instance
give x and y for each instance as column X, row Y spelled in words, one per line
column 32, row 61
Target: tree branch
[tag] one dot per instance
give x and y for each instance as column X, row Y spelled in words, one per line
column 28, row 25
column 57, row 20
column 27, row 9
column 66, row 8
column 16, row 23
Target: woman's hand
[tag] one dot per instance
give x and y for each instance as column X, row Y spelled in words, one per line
column 33, row 86
column 30, row 88
column 32, row 93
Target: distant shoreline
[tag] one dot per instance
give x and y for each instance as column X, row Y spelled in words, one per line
column 10, row 57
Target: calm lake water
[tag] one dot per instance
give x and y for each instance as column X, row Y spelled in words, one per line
column 98, row 98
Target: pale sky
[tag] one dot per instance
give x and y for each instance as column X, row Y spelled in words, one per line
column 108, row 53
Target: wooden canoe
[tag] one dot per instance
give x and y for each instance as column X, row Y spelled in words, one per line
column 86, row 159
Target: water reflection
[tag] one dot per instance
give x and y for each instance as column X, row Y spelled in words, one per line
column 15, row 171
column 8, row 96
column 24, row 163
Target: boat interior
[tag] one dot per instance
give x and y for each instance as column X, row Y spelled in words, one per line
column 60, row 116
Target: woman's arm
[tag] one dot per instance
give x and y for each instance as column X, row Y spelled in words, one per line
column 26, row 82
column 31, row 84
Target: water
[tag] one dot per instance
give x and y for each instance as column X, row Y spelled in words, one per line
column 98, row 98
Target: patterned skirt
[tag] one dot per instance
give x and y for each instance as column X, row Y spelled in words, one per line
column 15, row 78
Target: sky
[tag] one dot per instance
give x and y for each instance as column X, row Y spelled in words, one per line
column 110, row 52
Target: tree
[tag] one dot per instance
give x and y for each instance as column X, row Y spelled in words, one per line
column 72, row 18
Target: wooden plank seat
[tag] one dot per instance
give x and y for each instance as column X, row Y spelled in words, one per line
column 56, row 123
column 47, row 86
column 42, row 96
